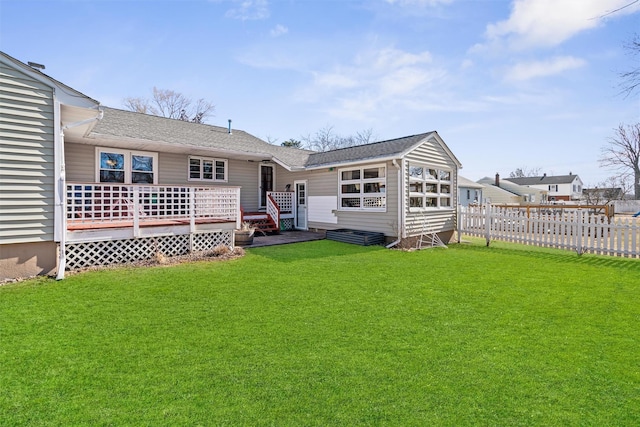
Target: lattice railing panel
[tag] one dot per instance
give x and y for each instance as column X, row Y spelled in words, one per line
column 107, row 203
column 110, row 252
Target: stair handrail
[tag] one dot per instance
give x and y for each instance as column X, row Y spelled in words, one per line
column 273, row 210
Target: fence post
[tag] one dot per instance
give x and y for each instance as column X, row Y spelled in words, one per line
column 487, row 224
column 579, row 231
column 459, row 220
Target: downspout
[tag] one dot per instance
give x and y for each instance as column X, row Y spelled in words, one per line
column 61, row 185
column 400, row 206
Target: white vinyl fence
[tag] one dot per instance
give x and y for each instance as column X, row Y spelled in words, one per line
column 572, row 229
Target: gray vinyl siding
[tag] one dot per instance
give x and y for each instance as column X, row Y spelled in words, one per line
column 325, row 183
column 80, row 162
column 27, row 175
column 433, row 154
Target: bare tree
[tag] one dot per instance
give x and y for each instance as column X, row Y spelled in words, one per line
column 525, row 172
column 326, row 139
column 623, row 154
column 171, row 104
column 631, row 79
column 612, row 188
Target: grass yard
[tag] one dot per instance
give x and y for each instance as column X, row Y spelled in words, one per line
column 329, row 334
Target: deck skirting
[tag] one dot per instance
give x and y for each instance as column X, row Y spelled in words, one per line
column 109, row 252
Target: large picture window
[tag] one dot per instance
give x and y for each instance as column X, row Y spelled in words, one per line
column 363, row 188
column 429, row 187
column 207, row 169
column 126, row 167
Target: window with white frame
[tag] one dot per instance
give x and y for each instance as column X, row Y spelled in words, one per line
column 363, row 188
column 126, row 167
column 553, row 187
column 207, row 169
column 429, row 187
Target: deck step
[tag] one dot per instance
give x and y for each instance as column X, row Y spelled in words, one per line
column 262, row 222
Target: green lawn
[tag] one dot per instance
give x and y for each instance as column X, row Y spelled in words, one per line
column 325, row 333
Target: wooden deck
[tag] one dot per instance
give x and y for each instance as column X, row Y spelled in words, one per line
column 98, row 225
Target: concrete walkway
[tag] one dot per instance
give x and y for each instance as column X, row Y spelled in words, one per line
column 284, row 237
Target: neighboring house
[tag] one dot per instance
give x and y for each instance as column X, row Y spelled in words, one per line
column 469, row 192
column 559, row 188
column 497, row 191
column 125, row 186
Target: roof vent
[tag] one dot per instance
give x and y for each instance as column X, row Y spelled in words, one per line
column 35, row 65
column 229, row 126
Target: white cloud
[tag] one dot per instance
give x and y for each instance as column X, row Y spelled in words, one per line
column 249, row 10
column 533, row 69
column 544, row 23
column 375, row 80
column 279, row 30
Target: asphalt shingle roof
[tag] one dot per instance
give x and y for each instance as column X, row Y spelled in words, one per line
column 540, row 180
column 371, row 151
column 128, row 124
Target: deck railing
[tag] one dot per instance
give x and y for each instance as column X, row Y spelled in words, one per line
column 116, row 203
column 284, row 200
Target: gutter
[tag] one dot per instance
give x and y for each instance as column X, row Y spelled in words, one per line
column 400, row 207
column 60, row 206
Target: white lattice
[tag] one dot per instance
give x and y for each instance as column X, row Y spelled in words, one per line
column 286, row 224
column 208, row 241
column 109, row 252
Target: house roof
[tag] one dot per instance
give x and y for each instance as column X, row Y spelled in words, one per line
column 120, row 124
column 511, row 187
column 389, row 149
column 543, row 180
column 467, row 183
column 124, row 127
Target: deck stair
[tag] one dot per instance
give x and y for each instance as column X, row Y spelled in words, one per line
column 261, row 221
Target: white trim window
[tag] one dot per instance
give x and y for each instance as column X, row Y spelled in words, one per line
column 430, row 187
column 363, row 188
column 126, row 167
column 207, row 169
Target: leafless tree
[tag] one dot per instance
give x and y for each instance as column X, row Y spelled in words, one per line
column 171, row 104
column 525, row 172
column 622, row 153
column 612, row 188
column 326, row 139
column 631, row 79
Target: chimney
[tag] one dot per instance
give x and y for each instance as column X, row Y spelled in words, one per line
column 229, row 126
column 497, row 179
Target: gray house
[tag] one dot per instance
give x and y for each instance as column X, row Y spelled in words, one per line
column 469, row 192
column 116, row 186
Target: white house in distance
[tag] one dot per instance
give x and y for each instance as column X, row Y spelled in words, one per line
column 84, row 185
column 560, row 187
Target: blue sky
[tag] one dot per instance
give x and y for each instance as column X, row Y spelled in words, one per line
column 507, row 84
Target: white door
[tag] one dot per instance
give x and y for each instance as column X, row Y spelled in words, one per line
column 301, row 205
